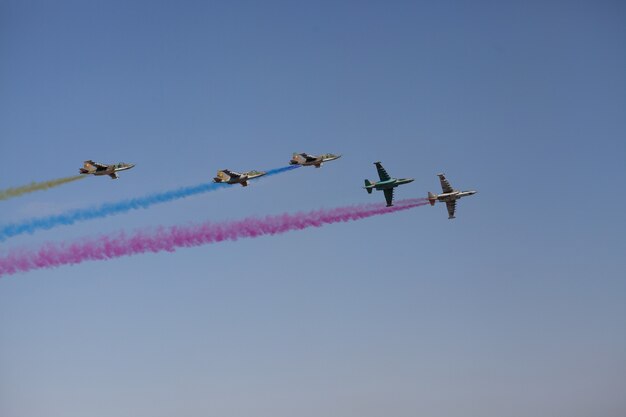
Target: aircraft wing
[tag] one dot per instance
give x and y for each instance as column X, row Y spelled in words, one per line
column 232, row 174
column 98, row 165
column 329, row 157
column 451, row 205
column 382, row 173
column 445, row 185
column 389, row 196
column 255, row 174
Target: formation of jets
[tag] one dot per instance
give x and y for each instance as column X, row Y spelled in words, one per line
column 386, row 184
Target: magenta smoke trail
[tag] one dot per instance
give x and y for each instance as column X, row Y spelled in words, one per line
column 168, row 239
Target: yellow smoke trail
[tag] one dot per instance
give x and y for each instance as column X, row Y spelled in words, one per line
column 37, row 186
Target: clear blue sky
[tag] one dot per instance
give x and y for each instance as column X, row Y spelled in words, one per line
column 516, row 308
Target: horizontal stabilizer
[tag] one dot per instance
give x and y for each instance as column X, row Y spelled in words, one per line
column 368, row 186
column 432, row 198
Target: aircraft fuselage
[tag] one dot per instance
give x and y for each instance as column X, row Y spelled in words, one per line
column 309, row 160
column 110, row 169
column 230, row 177
column 392, row 183
column 317, row 162
column 454, row 195
column 239, row 180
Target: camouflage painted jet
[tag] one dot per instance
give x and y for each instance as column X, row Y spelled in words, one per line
column 386, row 183
column 96, row 168
column 449, row 195
column 306, row 159
column 231, row 177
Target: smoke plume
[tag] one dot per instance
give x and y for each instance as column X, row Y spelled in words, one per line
column 169, row 239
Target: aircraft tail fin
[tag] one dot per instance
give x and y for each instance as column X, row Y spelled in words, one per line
column 368, row 186
column 432, row 198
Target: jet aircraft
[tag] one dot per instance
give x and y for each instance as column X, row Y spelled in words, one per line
column 96, row 168
column 449, row 195
column 231, row 177
column 386, row 183
column 306, row 159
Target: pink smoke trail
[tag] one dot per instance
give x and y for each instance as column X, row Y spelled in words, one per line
column 168, row 239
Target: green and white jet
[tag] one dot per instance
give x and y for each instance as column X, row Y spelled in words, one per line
column 386, row 183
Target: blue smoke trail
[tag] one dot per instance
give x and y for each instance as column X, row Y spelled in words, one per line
column 276, row 171
column 108, row 209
